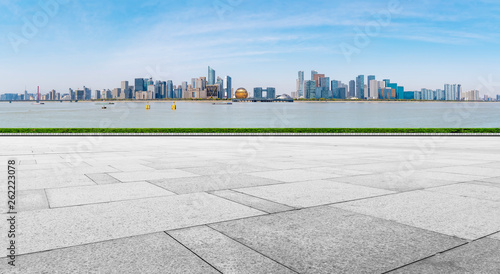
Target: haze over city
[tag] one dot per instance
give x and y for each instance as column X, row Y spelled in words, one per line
column 71, row 44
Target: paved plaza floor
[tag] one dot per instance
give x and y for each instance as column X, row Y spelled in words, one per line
column 253, row 204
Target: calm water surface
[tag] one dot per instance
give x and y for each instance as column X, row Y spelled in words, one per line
column 253, row 115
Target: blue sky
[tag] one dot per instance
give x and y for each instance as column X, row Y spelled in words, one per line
column 418, row 44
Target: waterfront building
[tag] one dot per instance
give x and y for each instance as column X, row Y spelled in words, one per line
column 212, row 91
column 472, row 95
column 352, row 89
column 459, row 92
column 229, row 87
column 211, row 76
column 139, row 84
column 80, row 95
column 257, row 93
column 170, row 89
column 97, row 94
column 335, row 89
column 317, row 77
column 116, row 93
column 310, row 90
column 368, row 89
column 88, row 93
column 360, row 87
column 313, row 72
column 300, row 84
column 342, row 92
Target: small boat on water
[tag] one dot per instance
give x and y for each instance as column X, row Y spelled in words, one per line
column 38, row 103
column 104, row 107
column 221, row 104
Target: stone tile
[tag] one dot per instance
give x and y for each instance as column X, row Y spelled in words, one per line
column 294, row 175
column 471, row 190
column 494, row 165
column 496, row 236
column 27, row 162
column 73, row 196
column 252, row 201
column 153, row 253
column 151, row 175
column 283, row 164
column 160, row 165
column 220, row 169
column 225, row 254
column 329, row 240
column 339, row 171
column 471, row 170
column 462, row 217
column 70, row 226
column 26, row 200
column 103, row 178
column 212, row 183
column 313, row 193
column 405, row 182
column 481, row 256
column 44, row 179
column 128, row 167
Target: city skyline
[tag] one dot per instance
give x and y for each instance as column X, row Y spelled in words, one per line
column 261, row 43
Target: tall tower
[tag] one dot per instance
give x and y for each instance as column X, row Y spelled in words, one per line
column 229, row 87
column 211, row 76
column 313, row 72
column 360, row 87
column 300, row 84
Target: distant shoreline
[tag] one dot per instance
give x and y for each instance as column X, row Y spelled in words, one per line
column 229, row 101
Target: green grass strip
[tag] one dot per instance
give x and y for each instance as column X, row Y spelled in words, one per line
column 250, row 130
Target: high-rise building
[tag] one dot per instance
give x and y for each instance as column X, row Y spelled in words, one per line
column 373, row 87
column 229, row 87
column 220, row 83
column 271, row 93
column 126, row 93
column 368, row 81
column 352, row 89
column 88, row 93
column 212, row 91
column 170, row 89
column 300, row 84
column 459, row 92
column 211, row 76
column 313, row 72
column 451, row 92
column 317, row 77
column 335, row 85
column 257, row 93
column 193, row 82
column 139, row 84
column 97, row 94
column 360, row 87
column 310, row 89
column 324, row 84
column 201, row 83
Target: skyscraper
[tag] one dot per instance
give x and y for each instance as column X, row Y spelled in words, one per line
column 360, row 87
column 369, row 79
column 229, row 87
column 170, row 89
column 211, row 76
column 313, row 72
column 257, row 93
column 317, row 77
column 300, row 84
column 459, row 92
column 220, row 83
column 310, row 89
column 324, row 84
column 335, row 89
column 139, row 84
column 352, row 89
column 271, row 93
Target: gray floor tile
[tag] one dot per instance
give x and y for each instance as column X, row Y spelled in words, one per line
column 462, row 217
column 225, row 254
column 103, row 178
column 65, row 227
column 252, row 201
column 63, row 197
column 471, row 170
column 153, row 253
column 26, row 200
column 482, row 256
column 313, row 193
column 293, row 175
column 329, row 240
column 417, row 179
column 212, row 183
column 151, row 175
column 481, row 192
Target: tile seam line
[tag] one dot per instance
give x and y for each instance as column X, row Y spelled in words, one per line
column 256, row 251
column 442, row 252
column 177, row 241
column 263, row 211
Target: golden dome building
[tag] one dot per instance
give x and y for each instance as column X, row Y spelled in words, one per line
column 241, row 93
